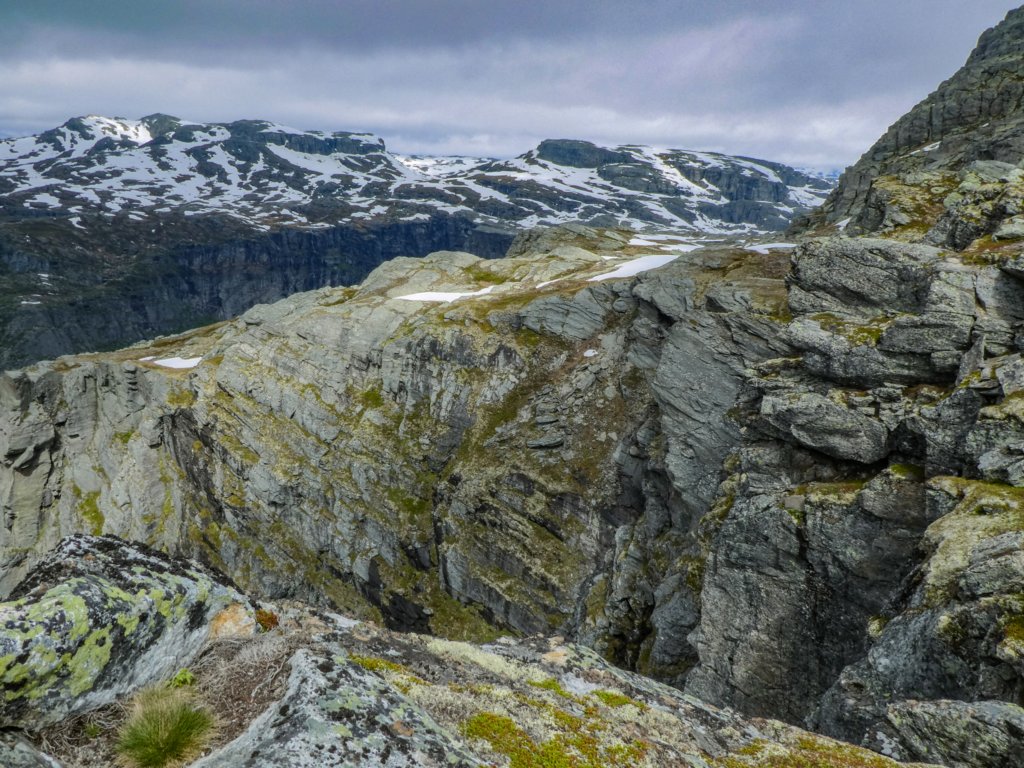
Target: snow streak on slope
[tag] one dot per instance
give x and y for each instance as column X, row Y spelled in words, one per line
column 269, row 175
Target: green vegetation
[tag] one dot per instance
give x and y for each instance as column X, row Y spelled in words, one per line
column 552, row 685
column 89, row 509
column 859, row 335
column 482, row 274
column 1013, row 633
column 371, row 398
column 808, row 752
column 182, row 679
column 181, row 398
column 907, row 472
column 616, row 699
column 165, row 728
column 375, row 664
column 576, row 743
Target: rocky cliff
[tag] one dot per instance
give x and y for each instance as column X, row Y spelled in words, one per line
column 785, row 484
column 921, row 170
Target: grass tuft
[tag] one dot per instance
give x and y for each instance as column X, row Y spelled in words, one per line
column 165, row 728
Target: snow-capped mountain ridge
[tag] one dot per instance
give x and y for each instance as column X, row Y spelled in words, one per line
column 268, row 175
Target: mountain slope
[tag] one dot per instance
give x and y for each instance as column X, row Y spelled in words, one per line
column 268, row 175
column 162, row 223
column 975, row 115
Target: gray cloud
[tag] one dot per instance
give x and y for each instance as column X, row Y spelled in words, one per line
column 804, row 82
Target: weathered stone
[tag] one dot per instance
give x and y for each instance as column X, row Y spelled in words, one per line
column 337, row 713
column 820, row 423
column 981, row 734
column 99, row 618
column 15, row 752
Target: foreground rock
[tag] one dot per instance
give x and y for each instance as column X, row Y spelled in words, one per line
column 355, row 694
column 98, row 619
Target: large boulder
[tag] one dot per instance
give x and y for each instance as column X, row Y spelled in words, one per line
column 99, row 618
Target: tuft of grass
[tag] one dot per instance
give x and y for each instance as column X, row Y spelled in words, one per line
column 165, row 728
column 617, row 699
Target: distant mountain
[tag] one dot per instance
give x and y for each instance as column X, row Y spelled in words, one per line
column 113, row 230
column 269, row 176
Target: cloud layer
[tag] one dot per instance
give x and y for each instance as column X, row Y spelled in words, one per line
column 808, row 83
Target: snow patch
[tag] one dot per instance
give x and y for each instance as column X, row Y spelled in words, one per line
column 445, row 296
column 764, row 248
column 178, row 362
column 636, row 266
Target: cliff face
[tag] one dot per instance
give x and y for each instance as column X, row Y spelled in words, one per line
column 975, row 115
column 63, row 289
column 791, row 487
column 516, row 458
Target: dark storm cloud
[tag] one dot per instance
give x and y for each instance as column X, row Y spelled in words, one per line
column 805, row 81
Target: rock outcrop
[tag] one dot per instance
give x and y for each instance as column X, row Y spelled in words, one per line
column 348, row 693
column 975, row 115
column 855, row 576
column 98, row 619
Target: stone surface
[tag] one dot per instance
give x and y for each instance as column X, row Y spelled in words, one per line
column 992, row 732
column 15, row 752
column 98, row 619
column 361, row 695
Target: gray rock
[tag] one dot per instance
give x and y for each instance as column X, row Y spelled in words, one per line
column 824, row 425
column 956, row 733
column 15, row 752
column 973, row 115
column 98, row 619
column 337, row 713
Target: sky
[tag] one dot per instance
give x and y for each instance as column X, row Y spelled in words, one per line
column 812, row 83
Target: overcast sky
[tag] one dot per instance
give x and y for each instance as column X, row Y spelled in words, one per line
column 809, row 82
